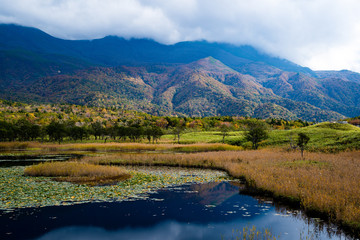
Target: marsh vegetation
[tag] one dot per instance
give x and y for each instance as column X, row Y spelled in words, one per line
column 323, row 182
column 76, row 172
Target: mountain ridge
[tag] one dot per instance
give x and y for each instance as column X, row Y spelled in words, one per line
column 187, row 78
column 114, row 51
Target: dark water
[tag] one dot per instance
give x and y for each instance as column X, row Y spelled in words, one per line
column 205, row 211
column 26, row 160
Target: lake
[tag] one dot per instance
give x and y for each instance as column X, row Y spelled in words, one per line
column 192, row 211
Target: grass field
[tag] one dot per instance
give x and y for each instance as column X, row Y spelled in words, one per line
column 202, row 136
column 325, row 137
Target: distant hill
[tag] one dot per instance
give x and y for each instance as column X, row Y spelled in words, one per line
column 345, row 75
column 114, row 51
column 187, row 78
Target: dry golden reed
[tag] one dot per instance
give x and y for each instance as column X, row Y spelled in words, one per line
column 325, row 183
column 198, row 147
column 112, row 146
column 78, row 172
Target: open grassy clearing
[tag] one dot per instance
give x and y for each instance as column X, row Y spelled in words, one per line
column 325, row 137
column 202, row 137
column 323, row 183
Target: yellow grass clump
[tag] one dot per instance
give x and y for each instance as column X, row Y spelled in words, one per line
column 122, row 147
column 204, row 147
column 198, row 147
column 14, row 145
column 78, row 172
column 324, row 183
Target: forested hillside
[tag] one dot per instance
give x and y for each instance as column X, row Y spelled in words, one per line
column 55, row 122
column 190, row 78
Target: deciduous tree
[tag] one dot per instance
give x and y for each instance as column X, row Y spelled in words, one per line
column 225, row 128
column 256, row 132
column 302, row 141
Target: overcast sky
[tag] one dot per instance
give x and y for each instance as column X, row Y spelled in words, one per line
column 320, row 34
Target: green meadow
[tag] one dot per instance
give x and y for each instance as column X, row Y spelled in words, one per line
column 324, row 137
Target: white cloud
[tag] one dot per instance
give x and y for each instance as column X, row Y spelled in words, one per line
column 315, row 33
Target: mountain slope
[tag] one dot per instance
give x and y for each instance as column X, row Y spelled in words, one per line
column 181, row 79
column 19, row 66
column 203, row 88
column 329, row 93
column 343, row 74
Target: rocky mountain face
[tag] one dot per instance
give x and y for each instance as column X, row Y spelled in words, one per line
column 189, row 78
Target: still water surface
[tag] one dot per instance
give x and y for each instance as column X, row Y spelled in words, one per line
column 199, row 211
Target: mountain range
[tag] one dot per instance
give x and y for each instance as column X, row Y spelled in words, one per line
column 186, row 79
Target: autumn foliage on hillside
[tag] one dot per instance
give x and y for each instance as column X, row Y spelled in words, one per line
column 24, row 122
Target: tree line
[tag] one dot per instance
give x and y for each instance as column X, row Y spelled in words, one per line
column 24, row 130
column 57, row 131
column 137, row 129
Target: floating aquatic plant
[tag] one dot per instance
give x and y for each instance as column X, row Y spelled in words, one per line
column 19, row 191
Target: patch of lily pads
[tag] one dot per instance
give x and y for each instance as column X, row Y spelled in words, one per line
column 19, row 191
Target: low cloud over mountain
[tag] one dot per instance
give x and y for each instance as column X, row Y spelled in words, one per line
column 188, row 78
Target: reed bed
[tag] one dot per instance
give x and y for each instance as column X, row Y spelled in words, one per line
column 77, row 172
column 122, row 147
column 199, row 147
column 204, row 147
column 326, row 184
column 16, row 145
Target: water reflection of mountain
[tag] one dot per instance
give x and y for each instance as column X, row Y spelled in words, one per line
column 180, row 205
column 188, row 212
column 214, row 193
